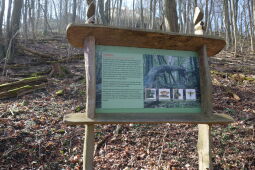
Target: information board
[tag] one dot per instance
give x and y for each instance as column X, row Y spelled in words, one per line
column 141, row 80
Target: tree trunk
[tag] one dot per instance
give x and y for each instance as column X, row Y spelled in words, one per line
column 1, row 17
column 25, row 19
column 153, row 14
column 45, row 26
column 66, row 12
column 253, row 9
column 171, row 19
column 151, row 11
column 16, row 15
column 60, row 16
column 133, row 14
column 251, row 26
column 180, row 16
column 74, row 10
column 101, row 11
column 15, row 25
column 107, row 12
column 32, row 18
column 233, row 11
column 227, row 23
column 206, row 14
column 38, row 15
column 253, row 2
column 187, row 17
column 8, row 19
column 142, row 17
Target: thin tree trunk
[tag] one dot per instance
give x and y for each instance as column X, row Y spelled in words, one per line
column 234, row 25
column 101, row 11
column 150, row 14
column 1, row 18
column 119, row 12
column 253, row 9
column 45, row 26
column 32, row 18
column 107, row 12
column 133, row 14
column 25, row 18
column 38, row 15
column 187, row 17
column 206, row 14
column 74, row 10
column 253, row 5
column 8, row 18
column 15, row 26
column 66, row 12
column 180, row 15
column 142, row 17
column 227, row 23
column 251, row 26
column 154, row 14
column 171, row 19
column 60, row 16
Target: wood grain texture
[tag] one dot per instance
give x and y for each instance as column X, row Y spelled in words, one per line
column 115, row 36
column 204, row 147
column 109, row 118
column 90, row 69
column 88, row 148
column 205, row 82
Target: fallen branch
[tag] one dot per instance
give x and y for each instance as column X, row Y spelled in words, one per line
column 36, row 53
column 23, row 82
column 21, row 91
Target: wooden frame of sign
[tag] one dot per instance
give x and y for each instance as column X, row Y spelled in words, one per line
column 88, row 36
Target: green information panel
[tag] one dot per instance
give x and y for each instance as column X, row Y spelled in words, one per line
column 141, row 80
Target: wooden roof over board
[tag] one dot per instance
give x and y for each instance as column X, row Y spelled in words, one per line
column 129, row 37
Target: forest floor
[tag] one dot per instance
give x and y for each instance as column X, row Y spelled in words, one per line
column 33, row 135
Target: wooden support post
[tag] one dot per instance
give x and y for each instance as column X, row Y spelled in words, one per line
column 204, row 130
column 90, row 68
column 88, row 148
column 204, row 147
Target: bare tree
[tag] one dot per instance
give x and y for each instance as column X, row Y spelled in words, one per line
column 1, row 17
column 15, row 26
column 233, row 11
column 74, row 10
column 45, row 10
column 38, row 14
column 25, row 19
column 142, row 17
column 101, row 11
column 32, row 17
column 227, row 22
column 253, row 9
column 66, row 12
column 251, row 25
column 8, row 17
column 171, row 19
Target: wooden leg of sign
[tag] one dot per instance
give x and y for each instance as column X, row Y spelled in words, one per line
column 90, row 68
column 204, row 147
column 88, row 150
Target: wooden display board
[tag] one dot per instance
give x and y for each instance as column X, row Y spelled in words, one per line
column 128, row 69
column 141, row 76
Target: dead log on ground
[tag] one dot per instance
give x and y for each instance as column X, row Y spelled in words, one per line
column 37, row 53
column 21, row 91
column 23, row 82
